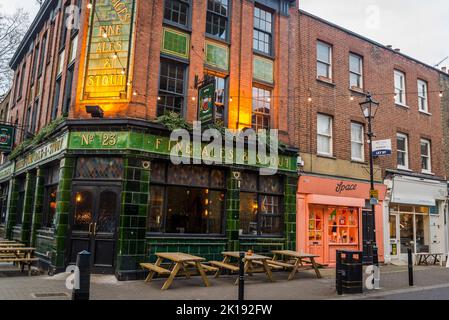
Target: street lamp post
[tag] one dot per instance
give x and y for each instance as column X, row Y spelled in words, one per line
column 369, row 109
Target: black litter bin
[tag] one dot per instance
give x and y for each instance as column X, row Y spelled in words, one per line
column 349, row 271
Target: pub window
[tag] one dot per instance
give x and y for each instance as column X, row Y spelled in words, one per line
column 20, row 200
column 3, row 202
column 34, row 66
column 99, row 168
column 186, row 200
column 42, row 55
column 261, row 205
column 217, row 18
column 73, row 49
column 34, row 117
column 56, row 94
column 171, row 87
column 220, row 98
column 22, row 75
column 261, row 108
column 51, row 188
column 67, row 92
column 63, row 27
column 177, row 11
column 28, row 120
column 263, row 29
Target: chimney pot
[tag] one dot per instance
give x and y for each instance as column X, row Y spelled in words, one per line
column 397, row 50
column 443, row 69
column 389, row 46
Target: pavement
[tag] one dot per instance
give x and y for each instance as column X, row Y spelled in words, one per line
column 431, row 282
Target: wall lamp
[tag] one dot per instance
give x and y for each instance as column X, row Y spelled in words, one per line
column 95, row 111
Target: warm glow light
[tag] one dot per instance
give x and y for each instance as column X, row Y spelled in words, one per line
column 105, row 35
column 123, row 71
column 269, row 99
column 89, row 5
column 114, row 56
column 193, row 98
column 352, row 98
column 158, row 98
column 135, row 93
column 309, row 99
column 441, row 94
column 230, row 99
column 78, row 197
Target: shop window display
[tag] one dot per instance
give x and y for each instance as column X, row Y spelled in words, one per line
column 343, row 226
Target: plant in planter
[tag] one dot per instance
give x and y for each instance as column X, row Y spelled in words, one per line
column 173, row 121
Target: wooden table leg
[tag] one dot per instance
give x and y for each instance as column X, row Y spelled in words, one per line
column 315, row 266
column 187, row 273
column 203, row 274
column 268, row 270
column 295, row 269
column 151, row 274
column 172, row 276
column 225, row 260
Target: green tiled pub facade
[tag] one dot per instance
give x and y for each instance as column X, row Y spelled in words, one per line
column 106, row 189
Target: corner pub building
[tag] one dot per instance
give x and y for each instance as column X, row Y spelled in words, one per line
column 90, row 167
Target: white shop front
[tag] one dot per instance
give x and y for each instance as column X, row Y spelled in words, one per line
column 414, row 217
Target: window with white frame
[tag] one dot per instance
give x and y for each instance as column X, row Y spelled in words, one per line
column 426, row 165
column 324, row 60
column 402, row 151
column 399, row 87
column 422, row 96
column 324, row 135
column 355, row 71
column 357, row 143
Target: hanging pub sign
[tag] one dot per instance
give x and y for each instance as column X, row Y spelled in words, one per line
column 109, row 51
column 206, row 103
column 382, row 148
column 6, row 138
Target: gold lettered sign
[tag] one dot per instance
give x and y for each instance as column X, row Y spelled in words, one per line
column 111, row 33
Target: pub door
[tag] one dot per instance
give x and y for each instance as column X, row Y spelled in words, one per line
column 93, row 225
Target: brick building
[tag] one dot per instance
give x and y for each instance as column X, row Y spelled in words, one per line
column 91, row 169
column 336, row 68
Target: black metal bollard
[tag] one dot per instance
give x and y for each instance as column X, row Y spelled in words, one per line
column 83, row 264
column 338, row 276
column 241, row 277
column 410, row 267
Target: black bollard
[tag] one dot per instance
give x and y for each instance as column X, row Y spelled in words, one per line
column 83, row 264
column 376, row 256
column 410, row 267
column 338, row 276
column 241, row 277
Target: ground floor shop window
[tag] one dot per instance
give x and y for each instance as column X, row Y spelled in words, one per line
column 3, row 202
column 339, row 223
column 186, row 199
column 260, row 205
column 409, row 229
column 20, row 200
column 51, row 188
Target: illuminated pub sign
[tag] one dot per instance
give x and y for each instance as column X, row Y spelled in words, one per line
column 109, row 48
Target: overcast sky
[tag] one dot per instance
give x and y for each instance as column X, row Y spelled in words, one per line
column 419, row 28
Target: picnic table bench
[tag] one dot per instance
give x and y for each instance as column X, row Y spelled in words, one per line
column 179, row 261
column 249, row 261
column 423, row 258
column 19, row 255
column 299, row 258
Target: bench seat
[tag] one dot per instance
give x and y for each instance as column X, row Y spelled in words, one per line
column 224, row 265
column 152, row 267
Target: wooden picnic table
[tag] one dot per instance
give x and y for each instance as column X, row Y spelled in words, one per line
column 12, row 244
column 423, row 258
column 299, row 258
column 21, row 255
column 179, row 261
column 249, row 261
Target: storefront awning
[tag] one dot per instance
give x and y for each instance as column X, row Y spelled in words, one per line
column 415, row 191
